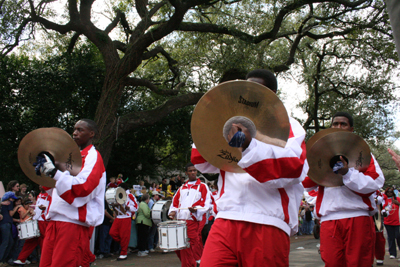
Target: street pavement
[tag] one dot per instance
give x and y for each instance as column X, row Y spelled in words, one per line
column 303, row 253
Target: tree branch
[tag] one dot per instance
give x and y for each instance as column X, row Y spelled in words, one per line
column 142, row 82
column 147, row 118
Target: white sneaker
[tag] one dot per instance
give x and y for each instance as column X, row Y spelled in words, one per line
column 20, row 262
column 392, row 257
column 152, row 250
column 146, row 251
column 142, row 253
column 379, row 262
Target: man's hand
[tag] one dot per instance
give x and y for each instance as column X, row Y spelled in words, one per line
column 395, row 157
column 44, row 165
column 239, row 127
column 42, row 207
column 192, row 209
column 345, row 168
column 48, row 168
column 1, row 217
column 6, row 203
column 172, row 215
column 395, row 201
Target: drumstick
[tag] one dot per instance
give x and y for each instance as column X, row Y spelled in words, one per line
column 199, row 208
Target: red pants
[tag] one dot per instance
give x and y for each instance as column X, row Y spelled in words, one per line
column 31, row 244
column 380, row 246
column 199, row 251
column 89, row 256
column 64, row 244
column 121, row 232
column 188, row 256
column 348, row 242
column 239, row 243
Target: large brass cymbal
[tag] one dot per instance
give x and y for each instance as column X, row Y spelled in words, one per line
column 237, row 98
column 319, row 135
column 325, row 150
column 56, row 142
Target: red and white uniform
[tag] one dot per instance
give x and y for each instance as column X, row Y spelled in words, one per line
column 192, row 194
column 379, row 237
column 45, row 200
column 40, row 215
column 393, row 211
column 353, row 199
column 347, row 231
column 268, row 194
column 77, row 202
column 121, row 228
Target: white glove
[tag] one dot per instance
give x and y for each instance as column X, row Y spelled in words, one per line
column 48, row 168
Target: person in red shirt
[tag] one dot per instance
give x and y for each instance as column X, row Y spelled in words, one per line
column 391, row 221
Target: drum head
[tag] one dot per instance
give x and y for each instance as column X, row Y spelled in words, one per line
column 171, row 224
column 159, row 212
column 120, row 195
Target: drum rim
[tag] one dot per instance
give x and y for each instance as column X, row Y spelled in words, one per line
column 171, row 223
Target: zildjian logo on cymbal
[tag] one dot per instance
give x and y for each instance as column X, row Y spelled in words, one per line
column 225, row 154
column 69, row 162
column 242, row 100
column 359, row 161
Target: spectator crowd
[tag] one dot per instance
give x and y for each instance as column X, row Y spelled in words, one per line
column 112, row 237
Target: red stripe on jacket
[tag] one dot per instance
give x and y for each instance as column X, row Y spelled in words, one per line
column 82, row 211
column 222, row 190
column 308, row 183
column 278, row 168
column 132, row 198
column 285, row 203
column 196, row 158
column 92, row 181
column 371, row 171
column 320, row 196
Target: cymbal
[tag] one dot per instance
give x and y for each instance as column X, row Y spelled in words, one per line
column 237, row 98
column 58, row 144
column 319, row 135
column 324, row 151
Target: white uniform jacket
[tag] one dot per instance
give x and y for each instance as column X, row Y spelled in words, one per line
column 190, row 194
column 353, row 199
column 130, row 202
column 42, row 199
column 270, row 191
column 80, row 199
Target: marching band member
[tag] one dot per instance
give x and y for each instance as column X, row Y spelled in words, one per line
column 260, row 205
column 190, row 203
column 77, row 202
column 391, row 221
column 121, row 227
column 42, row 204
column 379, row 237
column 347, row 231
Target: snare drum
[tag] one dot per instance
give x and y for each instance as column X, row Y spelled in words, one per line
column 28, row 229
column 115, row 195
column 159, row 212
column 172, row 235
